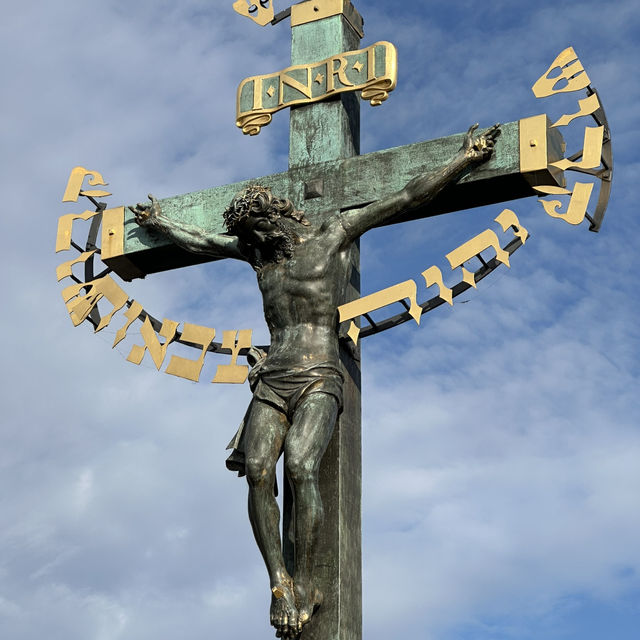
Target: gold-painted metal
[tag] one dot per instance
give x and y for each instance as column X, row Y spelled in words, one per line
column 358, row 66
column 591, row 151
column 304, row 84
column 101, row 288
column 474, row 247
column 185, row 367
column 587, row 105
column 552, row 190
column 508, row 219
column 65, row 269
column 112, row 233
column 432, row 276
column 152, row 344
column 305, row 12
column 234, row 373
column 571, row 71
column 260, row 15
column 373, row 301
column 74, row 185
column 65, row 226
column 577, row 207
column 540, row 146
column 132, row 314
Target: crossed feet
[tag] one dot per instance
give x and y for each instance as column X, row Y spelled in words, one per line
column 292, row 606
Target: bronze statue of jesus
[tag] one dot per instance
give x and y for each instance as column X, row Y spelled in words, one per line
column 303, row 270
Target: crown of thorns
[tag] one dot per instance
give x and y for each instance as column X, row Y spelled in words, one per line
column 258, row 200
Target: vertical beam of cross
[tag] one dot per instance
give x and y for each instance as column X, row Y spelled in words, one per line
column 319, row 133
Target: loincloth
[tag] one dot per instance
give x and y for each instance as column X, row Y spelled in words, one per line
column 284, row 390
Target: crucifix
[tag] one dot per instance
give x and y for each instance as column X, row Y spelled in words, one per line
column 299, row 230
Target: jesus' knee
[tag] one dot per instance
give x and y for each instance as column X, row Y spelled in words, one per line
column 259, row 472
column 301, row 471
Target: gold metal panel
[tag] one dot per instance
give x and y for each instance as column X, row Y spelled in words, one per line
column 64, row 270
column 373, row 301
column 313, row 10
column 260, row 15
column 577, row 207
column 533, row 143
column 74, row 185
column 157, row 350
column 259, row 97
column 571, row 72
column 591, row 151
column 65, row 226
column 185, row 367
column 112, row 233
column 540, row 146
column 234, row 373
column 102, row 288
column 587, row 106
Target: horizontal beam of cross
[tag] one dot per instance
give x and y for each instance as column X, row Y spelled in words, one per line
column 346, row 184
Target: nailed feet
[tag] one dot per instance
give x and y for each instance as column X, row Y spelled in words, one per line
column 292, row 607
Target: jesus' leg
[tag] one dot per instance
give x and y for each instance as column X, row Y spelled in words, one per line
column 264, row 436
column 305, row 444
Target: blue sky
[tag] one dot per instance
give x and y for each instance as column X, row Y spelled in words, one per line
column 501, row 444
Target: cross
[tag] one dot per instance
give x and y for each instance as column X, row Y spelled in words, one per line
column 326, row 175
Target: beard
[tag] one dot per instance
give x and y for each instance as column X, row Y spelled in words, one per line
column 278, row 245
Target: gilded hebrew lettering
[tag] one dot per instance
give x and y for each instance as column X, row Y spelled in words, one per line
column 260, row 11
column 571, row 70
column 74, row 185
column 65, row 226
column 234, row 373
column 577, row 207
column 80, row 309
column 64, row 270
column 132, row 313
column 507, row 219
column 591, row 151
column 432, row 276
column 472, row 248
column 152, row 344
column 373, row 301
column 587, row 106
column 185, row 367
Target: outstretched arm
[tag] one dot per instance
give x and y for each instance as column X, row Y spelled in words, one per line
column 189, row 237
column 475, row 150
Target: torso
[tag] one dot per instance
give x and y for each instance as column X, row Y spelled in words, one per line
column 301, row 296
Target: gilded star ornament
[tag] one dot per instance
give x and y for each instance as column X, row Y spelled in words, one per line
column 319, row 78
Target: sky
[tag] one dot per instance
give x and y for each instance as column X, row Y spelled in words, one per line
column 501, row 438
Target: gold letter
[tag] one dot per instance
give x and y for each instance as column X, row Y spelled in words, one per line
column 233, row 373
column 574, row 74
column 508, row 219
column 472, row 248
column 259, row 15
column 577, row 205
column 65, row 225
column 433, row 275
column 340, row 72
column 131, row 314
column 104, row 287
column 185, row 367
column 74, row 185
column 373, row 301
column 158, row 351
column 587, row 106
column 64, row 270
column 304, row 89
column 591, row 151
